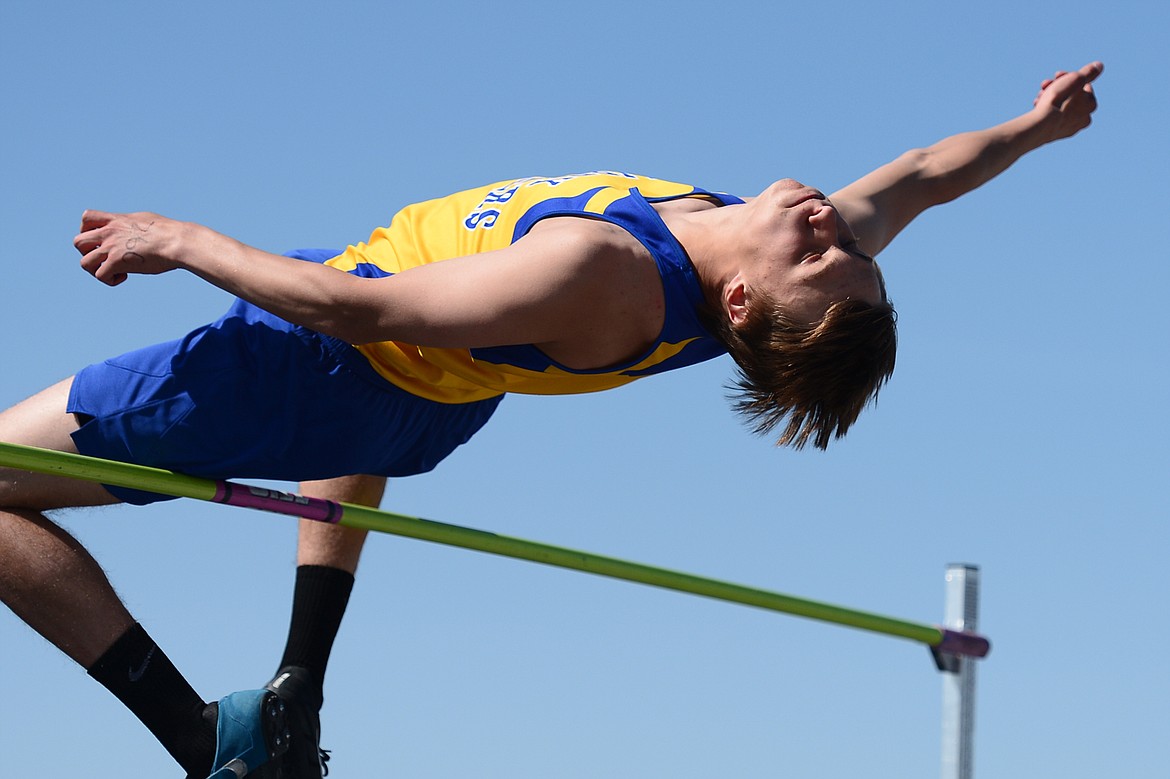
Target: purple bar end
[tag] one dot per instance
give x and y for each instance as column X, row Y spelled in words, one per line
column 955, row 642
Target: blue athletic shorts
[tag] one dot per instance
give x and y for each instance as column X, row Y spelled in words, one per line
column 253, row 396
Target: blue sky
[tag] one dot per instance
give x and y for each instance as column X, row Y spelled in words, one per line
column 1025, row 429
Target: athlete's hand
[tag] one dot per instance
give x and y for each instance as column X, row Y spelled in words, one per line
column 1066, row 101
column 115, row 245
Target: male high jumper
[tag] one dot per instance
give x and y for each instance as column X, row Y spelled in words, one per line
column 340, row 371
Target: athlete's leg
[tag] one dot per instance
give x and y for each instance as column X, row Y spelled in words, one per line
column 51, row 582
column 46, row 577
column 327, row 557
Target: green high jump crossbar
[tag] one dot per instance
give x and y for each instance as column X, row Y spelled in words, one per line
column 941, row 641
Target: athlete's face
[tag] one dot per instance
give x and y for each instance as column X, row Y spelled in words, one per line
column 810, row 257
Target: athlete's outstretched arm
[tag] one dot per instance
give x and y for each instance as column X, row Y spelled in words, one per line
column 879, row 205
column 115, row 246
column 542, row 289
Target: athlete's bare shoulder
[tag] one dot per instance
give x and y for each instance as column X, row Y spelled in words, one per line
column 618, row 298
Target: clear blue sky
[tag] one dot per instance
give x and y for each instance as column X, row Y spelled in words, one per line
column 1026, row 429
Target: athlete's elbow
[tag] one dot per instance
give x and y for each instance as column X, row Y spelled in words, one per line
column 357, row 329
column 357, row 317
column 929, row 174
column 952, row 168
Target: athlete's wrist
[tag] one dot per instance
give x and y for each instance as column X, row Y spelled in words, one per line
column 193, row 247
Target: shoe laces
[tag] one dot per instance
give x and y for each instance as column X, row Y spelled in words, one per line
column 323, row 754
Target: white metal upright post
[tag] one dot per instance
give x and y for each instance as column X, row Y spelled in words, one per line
column 958, row 704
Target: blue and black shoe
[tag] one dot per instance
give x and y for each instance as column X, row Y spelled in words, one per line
column 251, row 731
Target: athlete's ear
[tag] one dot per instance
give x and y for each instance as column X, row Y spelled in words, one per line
column 734, row 300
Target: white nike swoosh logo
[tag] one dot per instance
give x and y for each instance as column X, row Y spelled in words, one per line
column 138, row 673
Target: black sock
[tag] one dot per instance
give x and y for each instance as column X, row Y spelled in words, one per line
column 143, row 678
column 319, row 600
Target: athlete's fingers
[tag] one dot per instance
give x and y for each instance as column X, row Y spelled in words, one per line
column 92, row 260
column 1070, row 84
column 91, row 219
column 87, row 240
column 98, row 264
column 89, row 237
column 1092, row 70
column 1047, row 83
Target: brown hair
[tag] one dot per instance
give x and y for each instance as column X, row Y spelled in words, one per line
column 812, row 379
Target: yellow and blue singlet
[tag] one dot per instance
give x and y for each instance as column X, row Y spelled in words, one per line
column 495, row 216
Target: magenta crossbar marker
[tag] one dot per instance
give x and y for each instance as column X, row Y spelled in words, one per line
column 277, row 502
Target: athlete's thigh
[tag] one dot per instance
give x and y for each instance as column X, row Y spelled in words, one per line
column 43, row 421
column 362, row 489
